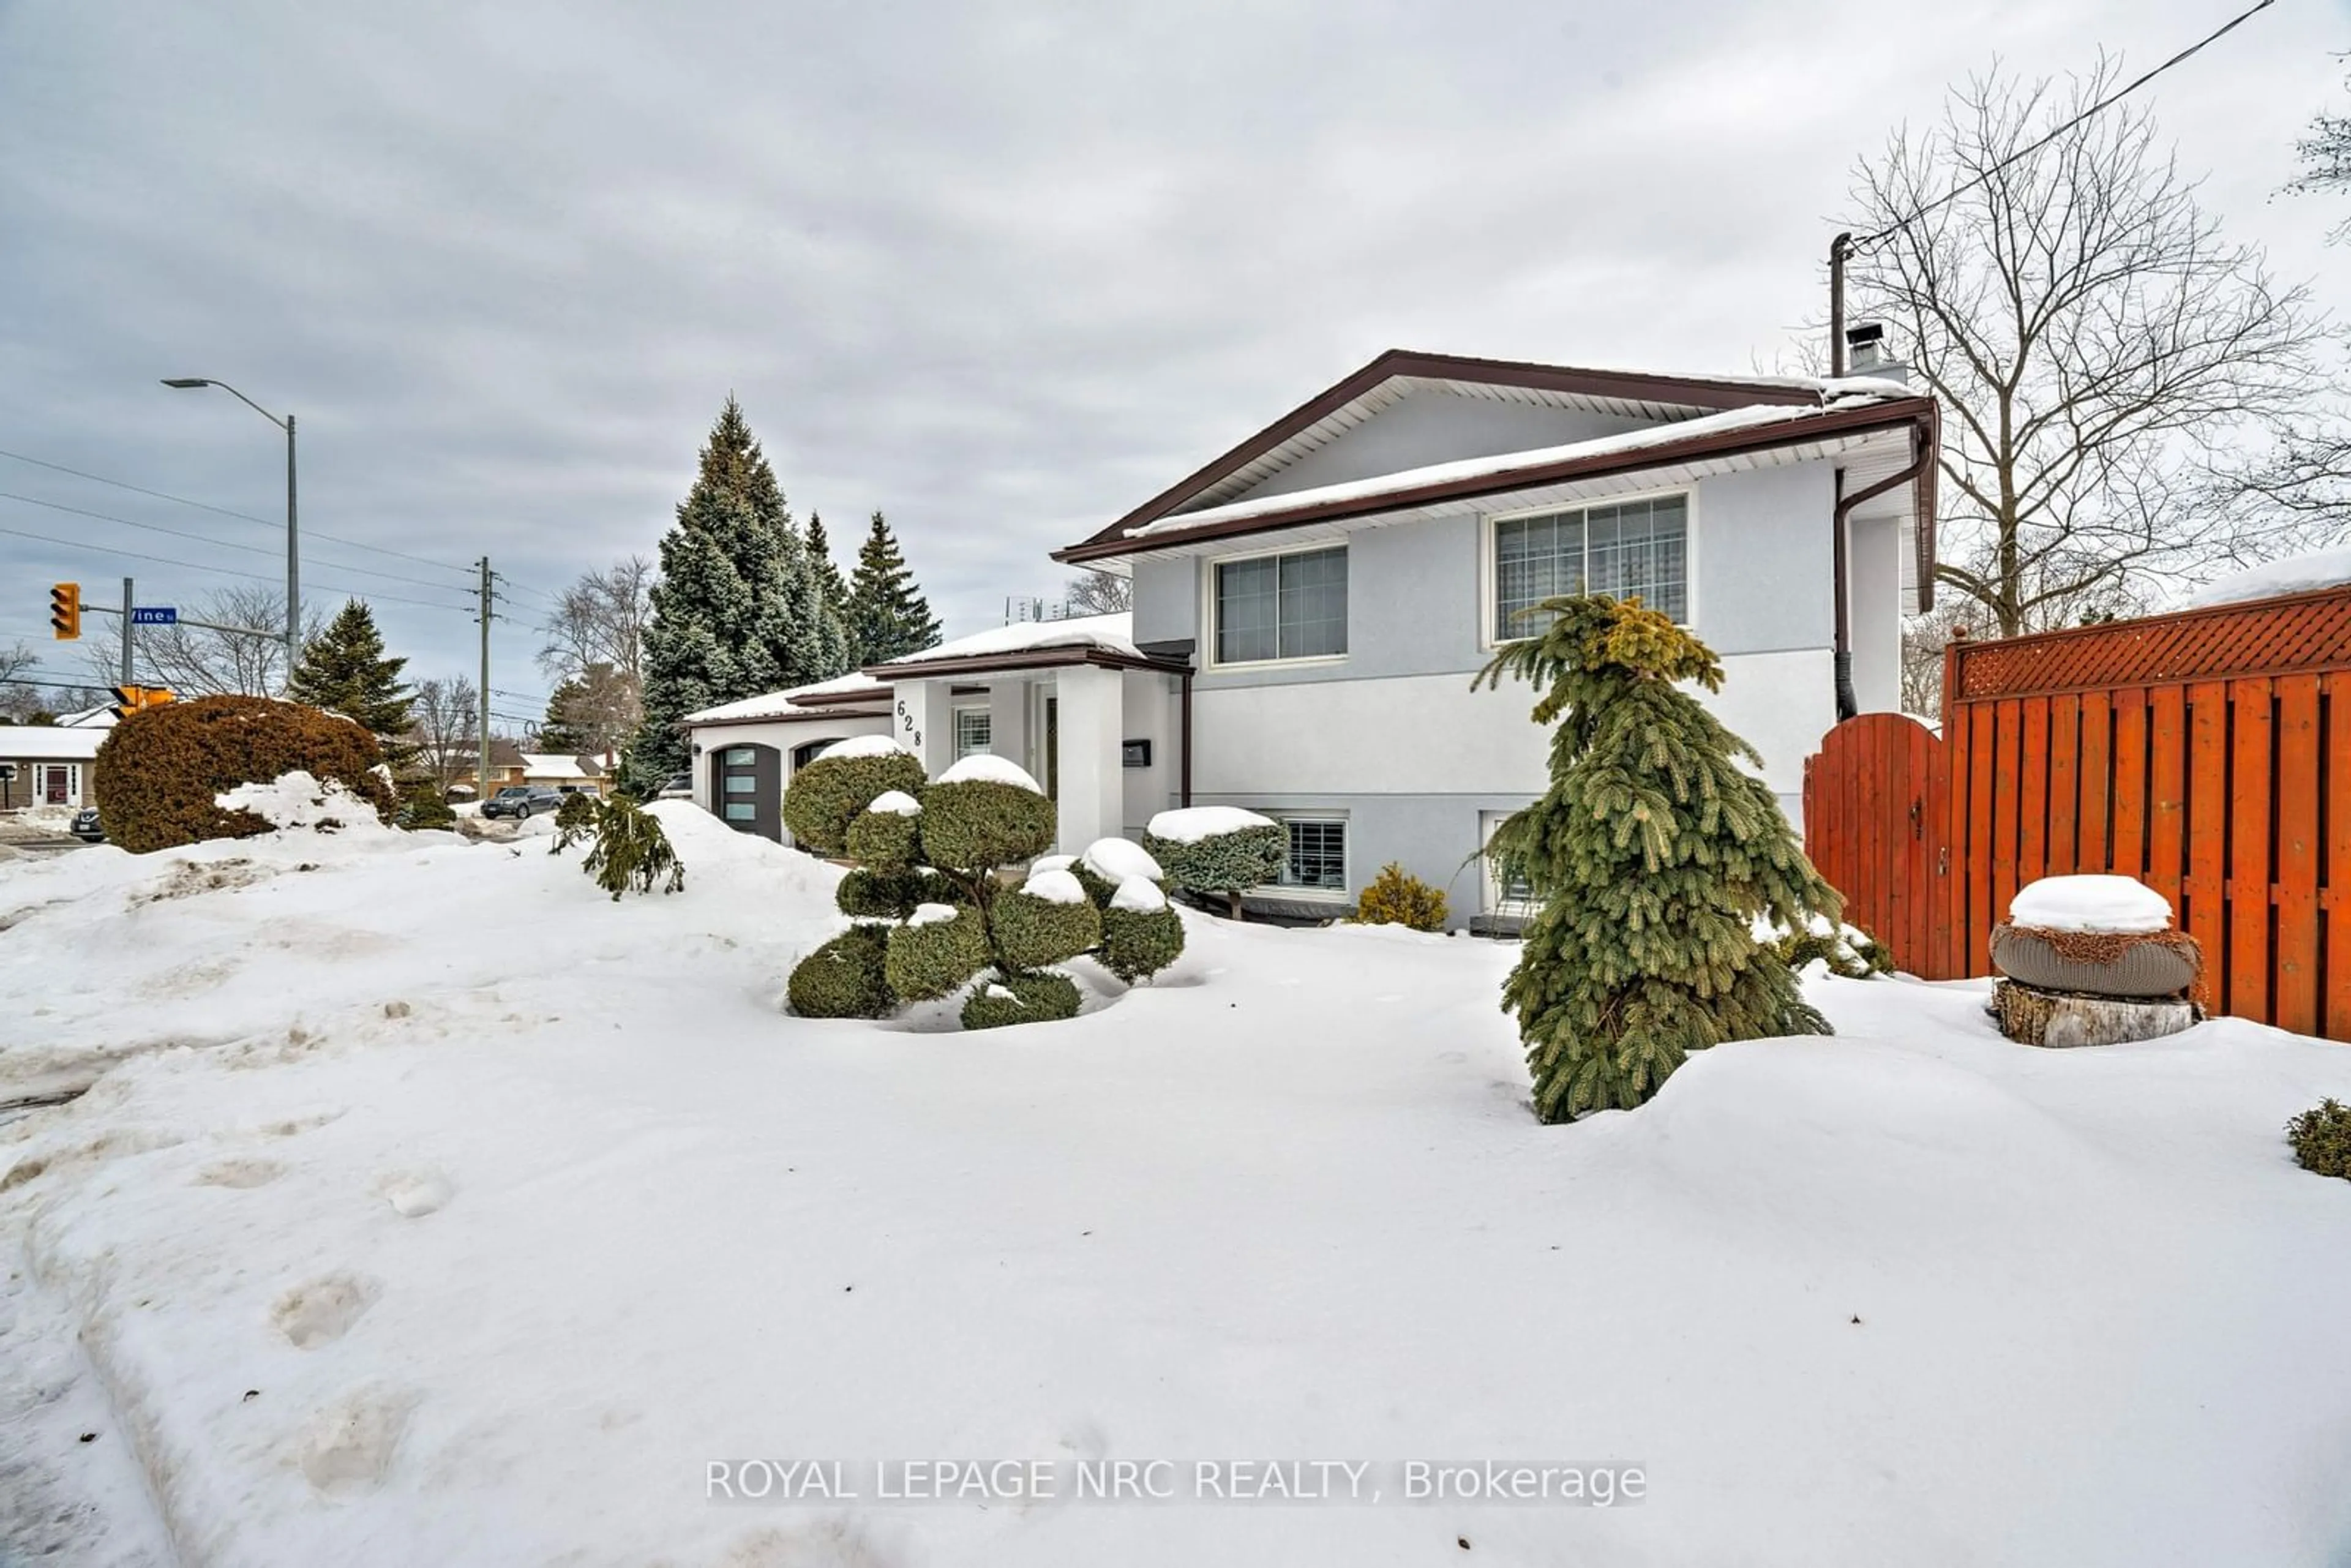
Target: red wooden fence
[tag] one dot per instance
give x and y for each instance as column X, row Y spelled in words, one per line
column 2207, row 753
column 1874, row 816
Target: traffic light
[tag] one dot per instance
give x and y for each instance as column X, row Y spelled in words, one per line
column 129, row 700
column 65, row 610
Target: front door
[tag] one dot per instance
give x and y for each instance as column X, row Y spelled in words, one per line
column 746, row 786
column 57, row 784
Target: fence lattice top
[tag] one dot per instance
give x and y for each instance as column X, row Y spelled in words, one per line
column 2260, row 637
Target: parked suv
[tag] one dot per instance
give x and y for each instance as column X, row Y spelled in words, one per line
column 86, row 827
column 522, row 800
column 676, row 786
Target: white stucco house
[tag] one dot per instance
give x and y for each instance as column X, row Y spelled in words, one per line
column 1310, row 607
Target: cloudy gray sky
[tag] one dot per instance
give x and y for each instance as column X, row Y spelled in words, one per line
column 1000, row 269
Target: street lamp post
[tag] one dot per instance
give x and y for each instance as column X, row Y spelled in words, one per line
column 293, row 538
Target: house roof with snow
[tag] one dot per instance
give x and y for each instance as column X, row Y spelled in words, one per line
column 1691, row 426
column 554, row 765
column 49, row 743
column 1106, row 640
column 820, row 699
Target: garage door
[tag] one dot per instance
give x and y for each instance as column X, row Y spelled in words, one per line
column 747, row 788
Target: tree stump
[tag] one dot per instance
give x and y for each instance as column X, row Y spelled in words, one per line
column 2031, row 1016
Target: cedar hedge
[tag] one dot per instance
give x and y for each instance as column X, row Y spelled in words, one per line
column 1034, row 998
column 935, row 958
column 976, row 824
column 844, row 978
column 1135, row 943
column 1223, row 862
column 158, row 771
column 829, row 794
column 1032, row 932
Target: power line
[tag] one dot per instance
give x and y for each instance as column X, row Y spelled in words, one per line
column 369, row 594
column 209, row 540
column 2115, row 97
column 229, row 512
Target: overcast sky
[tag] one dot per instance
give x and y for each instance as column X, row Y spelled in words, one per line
column 1001, row 270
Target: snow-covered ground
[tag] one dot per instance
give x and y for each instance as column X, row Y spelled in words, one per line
column 430, row 1207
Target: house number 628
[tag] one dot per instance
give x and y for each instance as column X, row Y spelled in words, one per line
column 906, row 722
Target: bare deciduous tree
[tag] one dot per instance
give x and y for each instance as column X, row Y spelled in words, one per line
column 198, row 661
column 1100, row 593
column 600, row 620
column 2098, row 348
column 448, row 716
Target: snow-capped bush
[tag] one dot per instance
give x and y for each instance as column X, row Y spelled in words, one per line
column 978, row 825
column 1032, row 930
column 843, row 978
column 830, row 792
column 161, row 772
column 1022, row 998
column 930, row 957
column 1217, row 849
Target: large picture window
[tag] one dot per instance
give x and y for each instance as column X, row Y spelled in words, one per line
column 1622, row 549
column 1282, row 607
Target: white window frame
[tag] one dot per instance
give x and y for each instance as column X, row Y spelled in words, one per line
column 1489, row 553
column 968, row 709
column 1344, row 892
column 1209, row 607
column 1491, row 881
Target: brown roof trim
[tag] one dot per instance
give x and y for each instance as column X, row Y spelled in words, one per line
column 835, row 699
column 827, row 716
column 1912, row 411
column 1024, row 659
column 1698, row 392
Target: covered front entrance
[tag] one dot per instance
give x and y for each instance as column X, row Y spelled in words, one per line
column 747, row 785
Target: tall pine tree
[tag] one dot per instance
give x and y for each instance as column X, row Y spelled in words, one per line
column 1654, row 854
column 828, row 575
column 888, row 617
column 344, row 670
column 738, row 609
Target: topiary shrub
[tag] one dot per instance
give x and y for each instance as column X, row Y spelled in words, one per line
column 870, row 893
column 1217, row 849
column 1107, row 862
column 829, row 793
column 2321, row 1138
column 978, row 824
column 845, row 977
column 1048, row 921
column 935, row 953
column 884, row 838
column 1020, row 999
column 158, row 771
column 1396, row 897
column 1141, row 934
column 631, row 851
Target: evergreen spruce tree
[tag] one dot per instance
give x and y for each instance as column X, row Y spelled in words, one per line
column 738, row 609
column 828, row 575
column 560, row 733
column 1654, row 853
column 344, row 670
column 888, row 616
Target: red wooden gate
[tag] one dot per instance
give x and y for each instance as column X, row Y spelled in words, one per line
column 1875, row 814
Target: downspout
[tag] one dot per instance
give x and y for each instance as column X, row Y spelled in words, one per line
column 1848, row 704
column 1184, row 781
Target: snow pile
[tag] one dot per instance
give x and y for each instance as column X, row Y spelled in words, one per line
column 1054, row 887
column 1140, row 894
column 981, row 764
column 895, row 803
column 2297, row 574
column 1190, row 824
column 1051, row 862
column 2100, row 903
column 1115, row 860
column 860, row 745
column 296, row 800
column 932, row 913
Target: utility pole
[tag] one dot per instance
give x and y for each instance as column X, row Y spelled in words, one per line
column 129, row 599
column 293, row 565
column 482, row 776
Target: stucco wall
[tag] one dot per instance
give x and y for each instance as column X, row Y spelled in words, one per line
column 784, row 738
column 1432, row 426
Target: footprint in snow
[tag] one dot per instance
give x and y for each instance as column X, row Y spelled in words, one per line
column 348, row 1449
column 414, row 1193
column 322, row 1310
column 239, row 1173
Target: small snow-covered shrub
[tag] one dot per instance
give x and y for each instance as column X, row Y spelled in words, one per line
column 940, row 948
column 1140, row 934
column 828, row 794
column 872, row 892
column 631, row 851
column 1396, row 897
column 422, row 808
column 1031, row 931
column 978, row 825
column 844, row 979
column 1847, row 951
column 1020, row 999
column 1228, row 859
column 2321, row 1138
column 159, row 771
column 574, row 819
column 886, row 839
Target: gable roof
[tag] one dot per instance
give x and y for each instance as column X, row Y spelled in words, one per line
column 1104, row 640
column 1697, row 417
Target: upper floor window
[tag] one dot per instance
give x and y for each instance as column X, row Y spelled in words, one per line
column 1282, row 607
column 1625, row 549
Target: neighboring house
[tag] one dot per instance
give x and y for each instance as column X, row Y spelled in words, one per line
column 1310, row 607
column 52, row 765
column 592, row 774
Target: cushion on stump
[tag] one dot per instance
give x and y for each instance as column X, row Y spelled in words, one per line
column 2164, row 964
